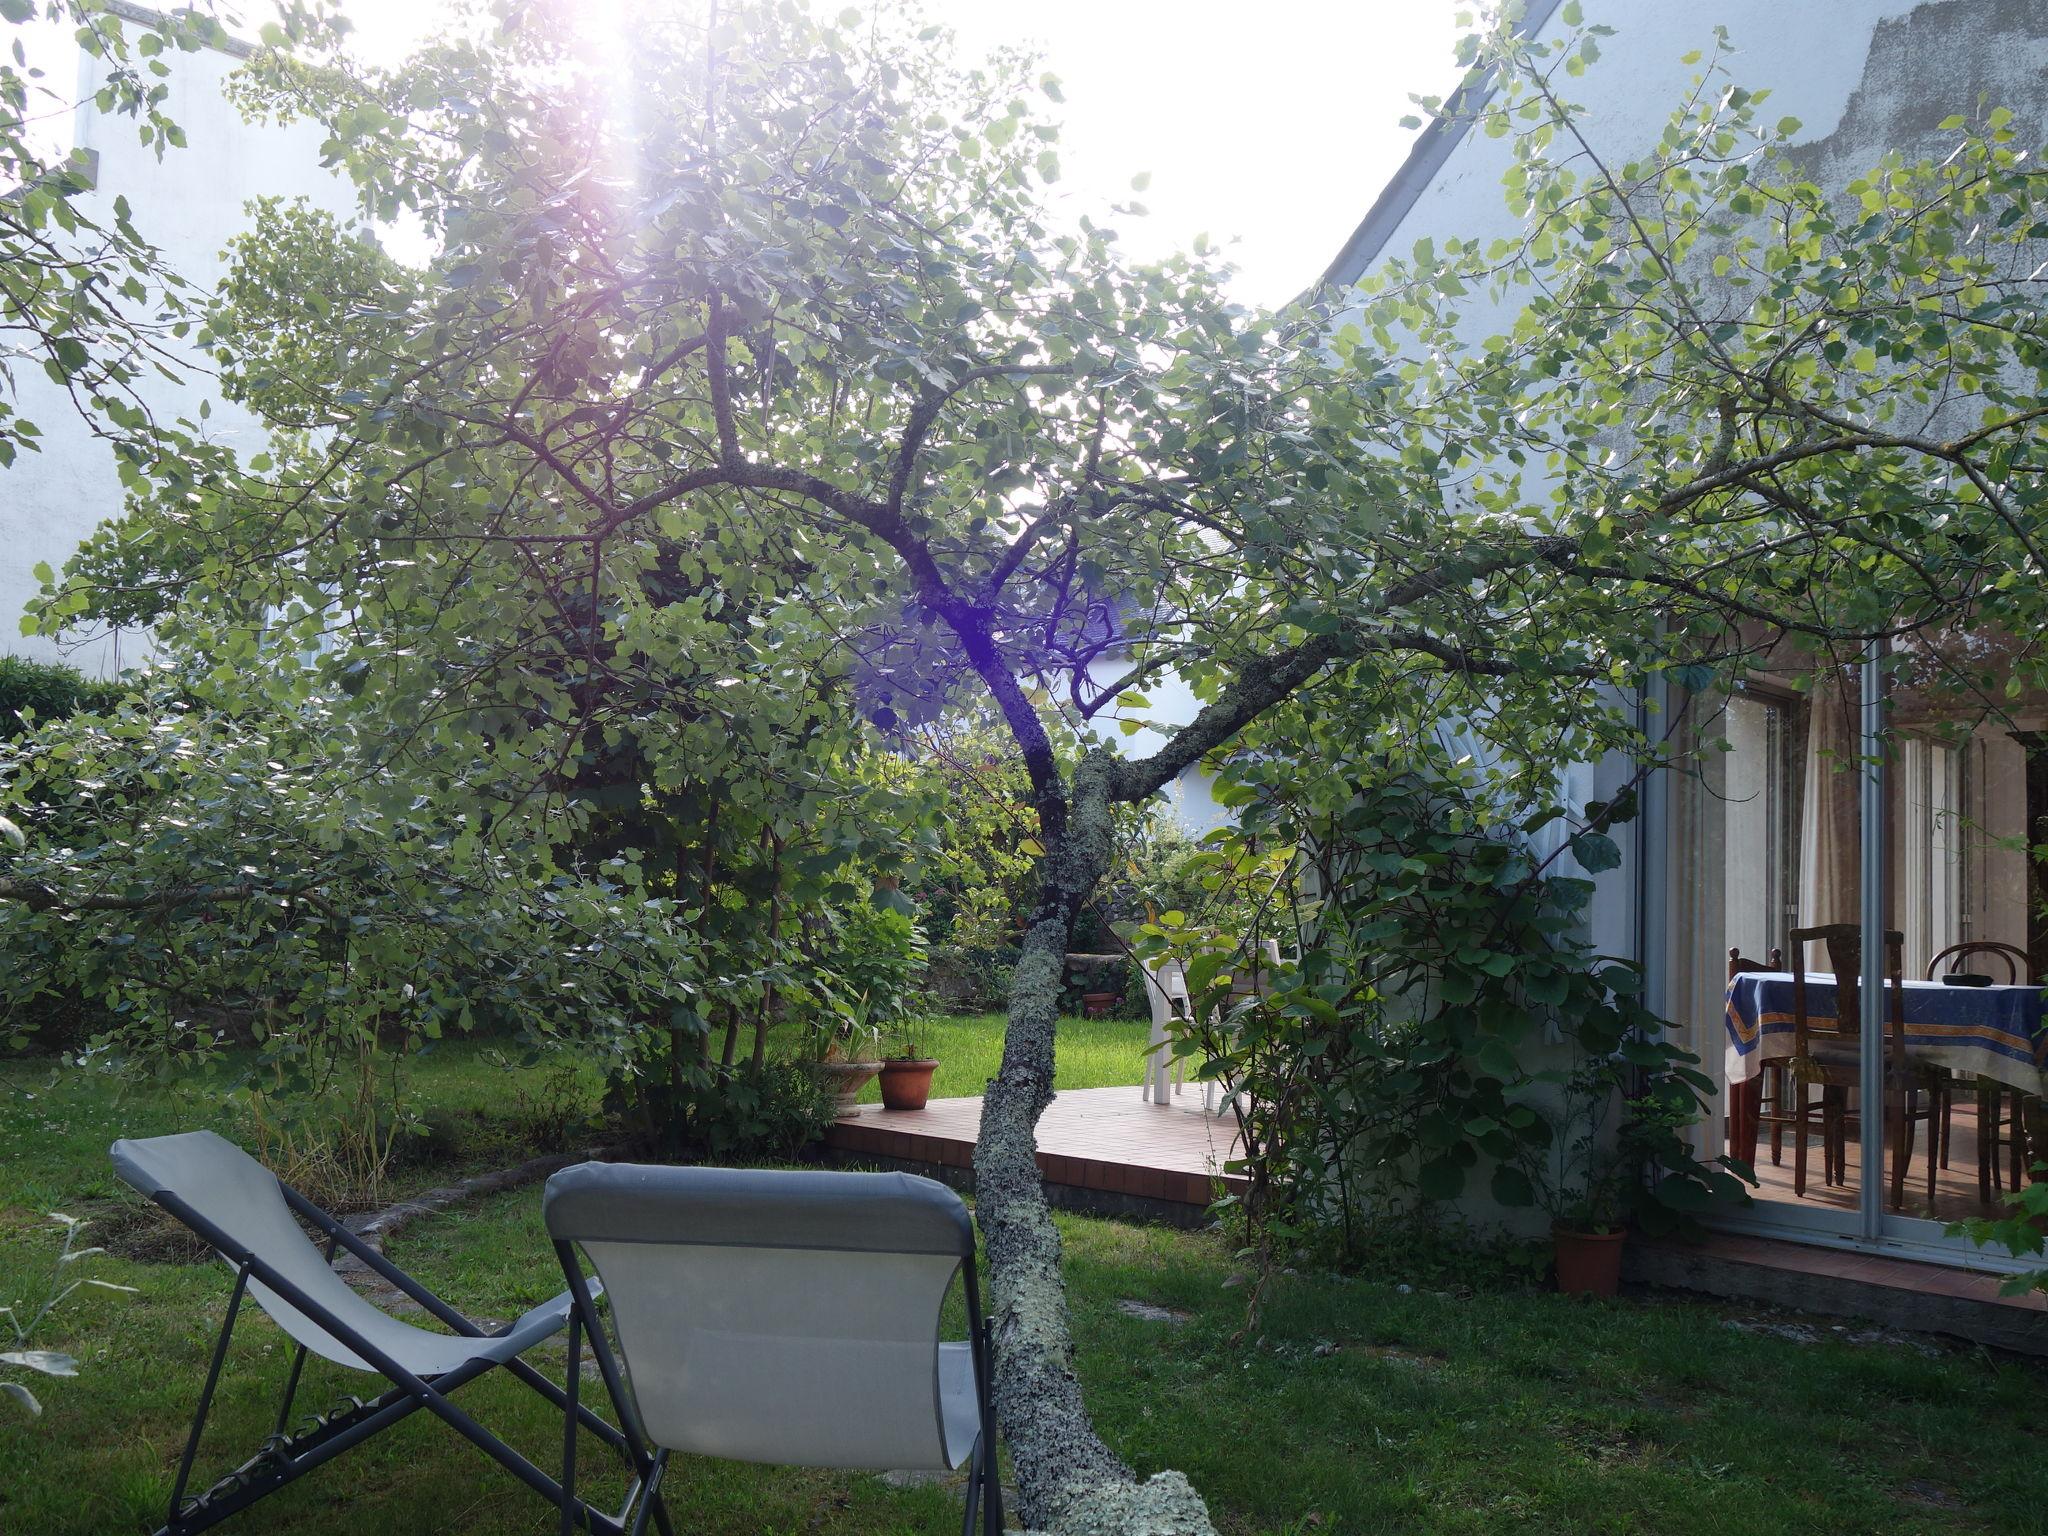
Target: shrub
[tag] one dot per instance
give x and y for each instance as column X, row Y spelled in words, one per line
column 42, row 690
column 873, row 962
column 1445, row 1018
column 205, row 879
column 773, row 1111
column 2021, row 1230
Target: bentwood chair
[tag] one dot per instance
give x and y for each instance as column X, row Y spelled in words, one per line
column 247, row 1215
column 1768, row 1105
column 1995, row 1101
column 782, row 1317
column 1828, row 1054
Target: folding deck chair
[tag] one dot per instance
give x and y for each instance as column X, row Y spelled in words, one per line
column 789, row 1318
column 245, row 1212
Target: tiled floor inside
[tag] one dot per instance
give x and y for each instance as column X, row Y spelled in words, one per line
column 1956, row 1194
column 1104, row 1139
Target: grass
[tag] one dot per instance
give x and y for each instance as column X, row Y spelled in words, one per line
column 1355, row 1406
column 1090, row 1053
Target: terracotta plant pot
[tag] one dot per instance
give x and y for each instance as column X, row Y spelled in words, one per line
column 907, row 1082
column 1588, row 1263
column 844, row 1080
column 1097, row 1004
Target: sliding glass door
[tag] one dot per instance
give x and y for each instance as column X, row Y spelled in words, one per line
column 1821, row 808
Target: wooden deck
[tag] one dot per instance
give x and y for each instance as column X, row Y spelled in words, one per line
column 1093, row 1141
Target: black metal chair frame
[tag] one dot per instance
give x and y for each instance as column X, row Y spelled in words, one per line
column 284, row 1458
column 984, row 1487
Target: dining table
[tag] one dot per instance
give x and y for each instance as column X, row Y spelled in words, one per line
column 1973, row 1031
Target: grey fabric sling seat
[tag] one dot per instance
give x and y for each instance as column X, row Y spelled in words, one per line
column 784, row 1317
column 247, row 1215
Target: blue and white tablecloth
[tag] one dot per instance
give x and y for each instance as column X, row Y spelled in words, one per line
column 1995, row 1032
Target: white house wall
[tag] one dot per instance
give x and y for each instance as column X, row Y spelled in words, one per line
column 1862, row 77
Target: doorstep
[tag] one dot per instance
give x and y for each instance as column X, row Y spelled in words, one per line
column 1840, row 1282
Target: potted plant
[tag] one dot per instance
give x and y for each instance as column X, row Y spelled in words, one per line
column 1588, row 1187
column 1587, row 1234
column 908, row 1065
column 846, row 1054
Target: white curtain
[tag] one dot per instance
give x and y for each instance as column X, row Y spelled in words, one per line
column 1830, row 852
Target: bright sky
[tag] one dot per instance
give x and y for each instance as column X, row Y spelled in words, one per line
column 1268, row 123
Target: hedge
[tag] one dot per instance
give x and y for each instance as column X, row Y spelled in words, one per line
column 51, row 689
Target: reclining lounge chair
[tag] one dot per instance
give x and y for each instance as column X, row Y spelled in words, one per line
column 783, row 1317
column 245, row 1213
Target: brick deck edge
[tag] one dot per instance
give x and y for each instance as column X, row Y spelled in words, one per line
column 1893, row 1302
column 1062, row 1197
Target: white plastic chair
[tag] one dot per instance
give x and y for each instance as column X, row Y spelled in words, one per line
column 1269, row 954
column 781, row 1317
column 1166, row 988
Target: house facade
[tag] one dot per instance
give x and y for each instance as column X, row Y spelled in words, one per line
column 1768, row 836
column 190, row 204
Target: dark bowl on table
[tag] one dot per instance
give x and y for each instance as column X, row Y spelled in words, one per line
column 1966, row 979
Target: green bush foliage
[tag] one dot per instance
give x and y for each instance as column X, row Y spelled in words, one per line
column 1445, row 1020
column 2020, row 1227
column 738, row 1112
column 32, row 691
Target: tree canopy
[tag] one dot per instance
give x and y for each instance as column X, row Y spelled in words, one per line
column 754, row 403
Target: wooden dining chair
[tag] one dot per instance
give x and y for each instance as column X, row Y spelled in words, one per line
column 1831, row 1058
column 1770, row 1075
column 1995, row 1100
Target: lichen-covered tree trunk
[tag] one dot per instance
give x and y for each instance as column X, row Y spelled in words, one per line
column 1069, row 1482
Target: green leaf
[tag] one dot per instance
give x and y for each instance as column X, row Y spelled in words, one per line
column 1512, row 1187
column 1496, row 1060
column 1596, row 851
column 1440, row 1178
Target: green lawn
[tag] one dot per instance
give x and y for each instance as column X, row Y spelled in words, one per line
column 1352, row 1408
column 1091, row 1053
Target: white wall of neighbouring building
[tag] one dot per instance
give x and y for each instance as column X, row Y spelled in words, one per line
column 190, row 204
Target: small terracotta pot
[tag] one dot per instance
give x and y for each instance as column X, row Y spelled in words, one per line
column 907, row 1083
column 1097, row 1004
column 1588, row 1263
column 845, row 1079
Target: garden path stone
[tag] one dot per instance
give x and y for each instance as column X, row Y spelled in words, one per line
column 377, row 1228
column 1145, row 1311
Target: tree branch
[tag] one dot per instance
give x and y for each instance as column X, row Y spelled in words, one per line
column 43, row 898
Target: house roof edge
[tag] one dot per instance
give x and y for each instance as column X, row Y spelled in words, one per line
column 1427, row 156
